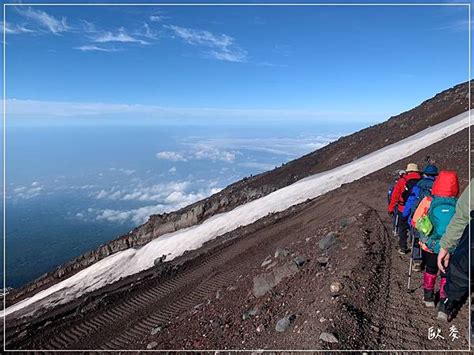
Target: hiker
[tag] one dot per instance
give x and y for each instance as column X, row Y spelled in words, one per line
column 400, row 194
column 400, row 174
column 431, row 219
column 457, row 265
column 419, row 191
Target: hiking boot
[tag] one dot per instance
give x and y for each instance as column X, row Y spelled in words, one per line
column 402, row 251
column 417, row 267
column 445, row 309
column 428, row 298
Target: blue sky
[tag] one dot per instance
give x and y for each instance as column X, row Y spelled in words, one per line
column 230, row 63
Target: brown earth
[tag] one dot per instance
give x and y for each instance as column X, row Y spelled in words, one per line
column 202, row 300
column 437, row 109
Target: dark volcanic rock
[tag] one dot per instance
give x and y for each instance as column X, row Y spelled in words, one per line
column 265, row 282
column 328, row 241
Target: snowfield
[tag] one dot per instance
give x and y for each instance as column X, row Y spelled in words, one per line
column 133, row 260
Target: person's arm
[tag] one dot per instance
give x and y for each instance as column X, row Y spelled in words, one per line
column 411, row 201
column 397, row 190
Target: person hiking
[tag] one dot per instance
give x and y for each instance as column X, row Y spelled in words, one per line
column 400, row 194
column 419, row 191
column 431, row 219
column 400, row 174
column 457, row 268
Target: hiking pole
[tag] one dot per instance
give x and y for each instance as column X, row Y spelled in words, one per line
column 411, row 261
column 395, row 228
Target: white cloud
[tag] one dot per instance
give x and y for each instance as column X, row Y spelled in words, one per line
column 146, row 31
column 15, row 29
column 94, row 48
column 27, row 192
column 158, row 17
column 199, row 152
column 137, row 216
column 221, row 46
column 205, row 152
column 172, row 156
column 46, row 21
column 170, row 197
column 124, row 171
column 172, row 170
column 120, row 36
column 33, row 109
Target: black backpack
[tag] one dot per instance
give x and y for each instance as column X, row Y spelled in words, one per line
column 407, row 190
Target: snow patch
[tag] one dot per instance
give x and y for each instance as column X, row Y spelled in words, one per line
column 131, row 261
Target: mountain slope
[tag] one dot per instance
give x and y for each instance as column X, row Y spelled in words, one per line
column 207, row 301
column 131, row 261
column 439, row 108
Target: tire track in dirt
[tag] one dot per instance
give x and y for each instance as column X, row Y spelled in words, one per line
column 125, row 324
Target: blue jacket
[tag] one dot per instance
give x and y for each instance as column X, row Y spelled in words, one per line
column 420, row 190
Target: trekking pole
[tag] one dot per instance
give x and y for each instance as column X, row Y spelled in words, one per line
column 411, row 261
column 395, row 229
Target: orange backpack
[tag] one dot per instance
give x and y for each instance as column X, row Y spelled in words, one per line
column 421, row 210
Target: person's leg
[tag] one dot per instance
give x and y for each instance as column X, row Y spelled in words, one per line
column 429, row 277
column 403, row 233
column 457, row 279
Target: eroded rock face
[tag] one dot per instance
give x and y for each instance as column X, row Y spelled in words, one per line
column 439, row 108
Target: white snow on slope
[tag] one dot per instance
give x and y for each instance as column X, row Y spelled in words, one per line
column 132, row 260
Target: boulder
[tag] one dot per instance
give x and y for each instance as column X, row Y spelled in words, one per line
column 336, row 287
column 300, row 260
column 328, row 241
column 281, row 253
column 322, row 260
column 284, row 323
column 265, row 282
column 151, row 345
column 328, row 337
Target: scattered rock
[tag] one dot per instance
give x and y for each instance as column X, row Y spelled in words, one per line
column 322, row 320
column 360, row 244
column 260, row 328
column 254, row 311
column 375, row 329
column 251, row 313
column 156, row 330
column 284, row 323
column 151, row 345
column 218, row 294
column 265, row 282
column 328, row 337
column 328, row 241
column 347, row 221
column 308, row 239
column 281, row 253
column 271, row 265
column 300, row 260
column 336, row 287
column 322, row 260
column 267, row 261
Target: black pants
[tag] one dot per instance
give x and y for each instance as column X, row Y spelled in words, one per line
column 403, row 230
column 431, row 263
column 457, row 284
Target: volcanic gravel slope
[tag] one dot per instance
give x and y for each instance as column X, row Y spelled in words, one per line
column 204, row 300
column 346, row 149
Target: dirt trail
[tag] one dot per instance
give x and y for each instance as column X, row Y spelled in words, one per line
column 375, row 311
column 204, row 299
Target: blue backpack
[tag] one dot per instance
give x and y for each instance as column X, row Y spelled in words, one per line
column 441, row 212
